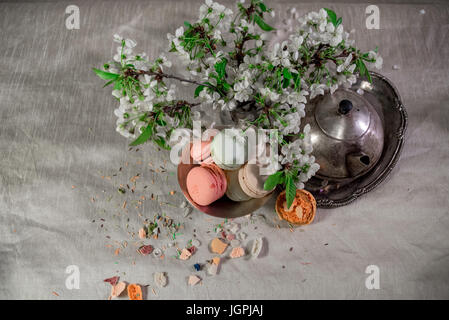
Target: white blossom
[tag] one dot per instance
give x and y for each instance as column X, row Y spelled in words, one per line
column 317, row 89
column 378, row 58
column 279, row 80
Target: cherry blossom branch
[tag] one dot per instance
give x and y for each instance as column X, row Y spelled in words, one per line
column 159, row 75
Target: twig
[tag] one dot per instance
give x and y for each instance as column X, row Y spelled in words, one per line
column 161, row 75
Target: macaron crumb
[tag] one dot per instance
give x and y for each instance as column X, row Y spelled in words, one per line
column 256, row 248
column 218, row 246
column 194, row 279
column 212, row 269
column 237, row 252
column 134, row 292
column 160, row 279
column 185, row 254
column 145, row 249
column 142, row 233
column 242, row 235
column 187, row 211
column 116, row 290
column 230, row 236
column 233, row 227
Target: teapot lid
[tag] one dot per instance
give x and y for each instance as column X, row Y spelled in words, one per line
column 344, row 115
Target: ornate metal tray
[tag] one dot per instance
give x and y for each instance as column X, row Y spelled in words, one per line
column 383, row 95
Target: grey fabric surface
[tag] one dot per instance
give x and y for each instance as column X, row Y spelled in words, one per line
column 58, row 130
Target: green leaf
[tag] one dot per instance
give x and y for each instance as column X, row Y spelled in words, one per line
column 296, row 80
column 118, row 85
column 160, row 141
column 365, row 55
column 368, row 75
column 220, row 67
column 146, row 134
column 106, row 75
column 290, row 190
column 287, row 74
column 173, row 48
column 262, row 7
column 226, row 86
column 287, row 77
column 200, row 54
column 363, row 70
column 339, row 21
column 278, row 117
column 207, row 44
column 160, row 121
column 262, row 24
column 332, row 16
column 187, row 24
column 198, row 90
column 360, row 66
column 108, row 83
column 272, row 181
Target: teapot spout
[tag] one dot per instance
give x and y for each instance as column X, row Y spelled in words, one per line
column 357, row 163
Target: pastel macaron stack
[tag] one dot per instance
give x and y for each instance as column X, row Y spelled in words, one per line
column 224, row 169
column 200, row 151
column 229, row 149
column 246, row 183
column 206, row 184
column 234, row 191
column 252, row 182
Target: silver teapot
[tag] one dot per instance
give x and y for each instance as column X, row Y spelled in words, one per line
column 347, row 135
column 357, row 136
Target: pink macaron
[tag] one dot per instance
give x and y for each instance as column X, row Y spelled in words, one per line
column 206, row 184
column 200, row 151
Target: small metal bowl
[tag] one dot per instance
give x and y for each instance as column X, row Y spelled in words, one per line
column 223, row 207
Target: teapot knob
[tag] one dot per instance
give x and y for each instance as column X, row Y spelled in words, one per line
column 345, row 107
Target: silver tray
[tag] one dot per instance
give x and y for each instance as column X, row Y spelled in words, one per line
column 384, row 96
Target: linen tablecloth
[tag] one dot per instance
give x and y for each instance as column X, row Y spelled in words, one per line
column 60, row 161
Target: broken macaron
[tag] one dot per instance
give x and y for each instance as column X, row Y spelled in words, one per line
column 302, row 210
column 218, row 246
column 256, row 247
column 193, row 280
column 237, row 252
column 134, row 292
